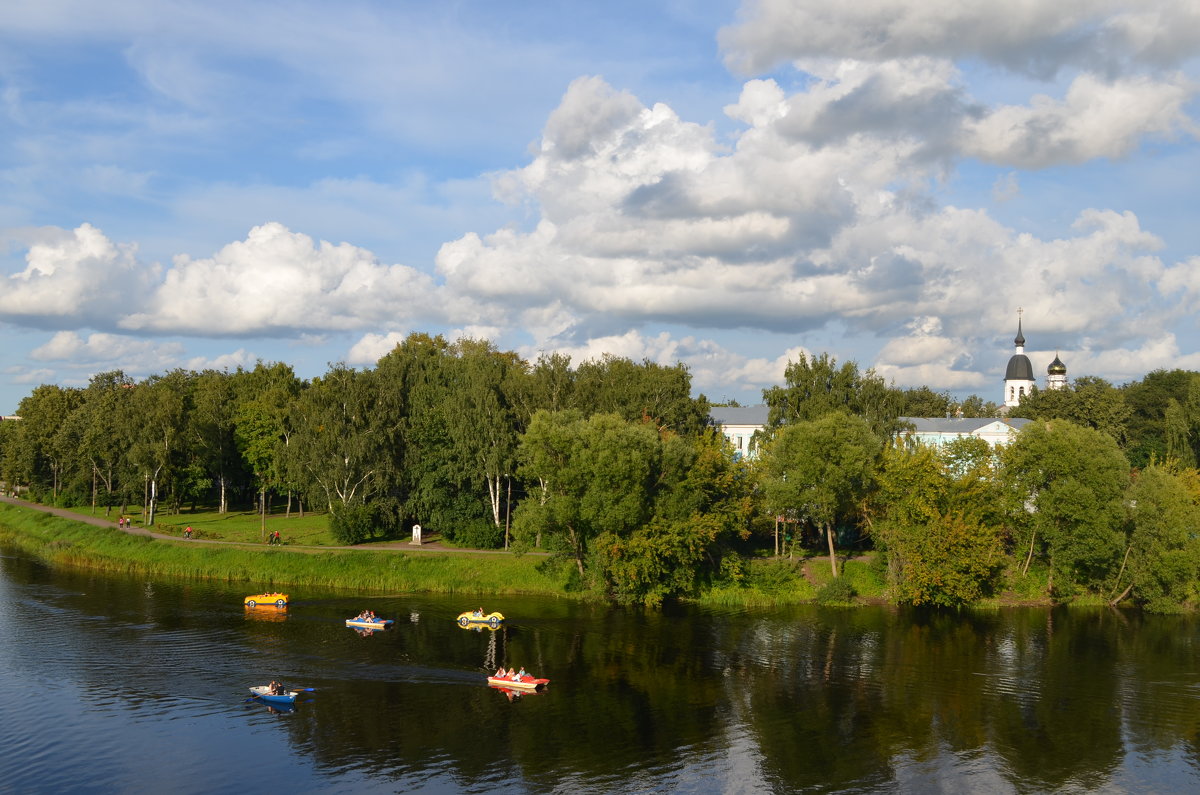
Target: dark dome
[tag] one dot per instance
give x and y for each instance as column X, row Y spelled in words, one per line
column 1056, row 367
column 1019, row 368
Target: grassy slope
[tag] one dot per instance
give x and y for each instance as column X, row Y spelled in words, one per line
column 64, row 542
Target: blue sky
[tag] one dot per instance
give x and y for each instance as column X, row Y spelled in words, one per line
column 205, row 184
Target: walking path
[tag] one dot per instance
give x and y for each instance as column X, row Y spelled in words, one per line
column 382, row 546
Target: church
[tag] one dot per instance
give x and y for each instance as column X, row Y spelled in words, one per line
column 1018, row 378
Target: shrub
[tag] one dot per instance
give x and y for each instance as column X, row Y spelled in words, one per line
column 352, row 524
column 837, row 591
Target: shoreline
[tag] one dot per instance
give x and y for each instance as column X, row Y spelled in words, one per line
column 60, row 537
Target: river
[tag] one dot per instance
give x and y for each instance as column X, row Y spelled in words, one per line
column 122, row 685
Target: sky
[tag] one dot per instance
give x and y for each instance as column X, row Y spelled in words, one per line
column 725, row 184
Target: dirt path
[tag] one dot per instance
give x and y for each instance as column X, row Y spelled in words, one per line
column 384, row 546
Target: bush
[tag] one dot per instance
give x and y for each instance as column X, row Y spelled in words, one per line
column 352, row 524
column 837, row 591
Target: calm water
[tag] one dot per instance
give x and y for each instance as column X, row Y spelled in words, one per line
column 112, row 684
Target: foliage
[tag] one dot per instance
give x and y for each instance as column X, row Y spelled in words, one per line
column 1089, row 402
column 1066, row 488
column 815, row 387
column 1163, row 561
column 352, row 524
column 1148, row 400
column 820, row 471
column 838, row 591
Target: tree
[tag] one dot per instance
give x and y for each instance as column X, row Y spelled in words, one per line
column 935, row 529
column 820, row 470
column 263, row 402
column 153, row 424
column 592, row 476
column 1147, row 401
column 923, row 402
column 338, row 447
column 1066, row 493
column 817, row 386
column 480, row 421
column 701, row 498
column 637, row 392
column 212, row 421
column 1162, row 557
column 974, row 406
column 38, row 460
column 100, row 415
column 1090, row 402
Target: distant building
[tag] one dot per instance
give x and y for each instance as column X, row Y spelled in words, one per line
column 9, row 417
column 1056, row 374
column 1018, row 377
column 937, row 431
column 739, row 424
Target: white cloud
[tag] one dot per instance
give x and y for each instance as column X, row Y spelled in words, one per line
column 658, row 225
column 108, row 350
column 75, row 279
column 372, row 347
column 1096, row 119
column 1033, row 37
column 225, row 361
column 277, row 282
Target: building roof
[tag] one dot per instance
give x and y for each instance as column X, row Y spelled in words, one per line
column 962, row 424
column 738, row 415
column 1057, row 367
column 1019, row 368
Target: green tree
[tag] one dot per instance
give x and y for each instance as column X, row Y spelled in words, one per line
column 975, row 406
column 934, row 526
column 154, row 424
column 262, row 410
column 38, row 460
column 338, row 447
column 101, row 439
column 1162, row 557
column 821, row 471
column 593, row 476
column 1147, row 401
column 1089, row 402
column 480, row 421
column 923, row 402
column 1067, row 485
column 817, row 386
column 701, row 501
column 212, row 422
column 640, row 392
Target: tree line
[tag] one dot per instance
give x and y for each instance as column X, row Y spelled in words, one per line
column 614, row 465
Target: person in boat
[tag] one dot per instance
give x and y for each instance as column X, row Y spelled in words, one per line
column 521, row 674
column 477, row 612
column 500, row 674
column 276, row 688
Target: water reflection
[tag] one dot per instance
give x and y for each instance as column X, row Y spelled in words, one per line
column 683, row 700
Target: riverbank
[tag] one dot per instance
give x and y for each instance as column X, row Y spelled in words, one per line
column 78, row 543
column 64, row 538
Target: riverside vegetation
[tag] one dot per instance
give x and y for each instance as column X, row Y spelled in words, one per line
column 612, row 467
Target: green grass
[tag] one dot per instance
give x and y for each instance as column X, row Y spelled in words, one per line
column 237, row 525
column 63, row 542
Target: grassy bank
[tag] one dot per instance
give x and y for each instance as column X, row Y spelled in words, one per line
column 246, row 526
column 63, row 542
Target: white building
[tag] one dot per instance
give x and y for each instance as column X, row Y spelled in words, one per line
column 739, row 424
column 937, row 431
column 1018, row 378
